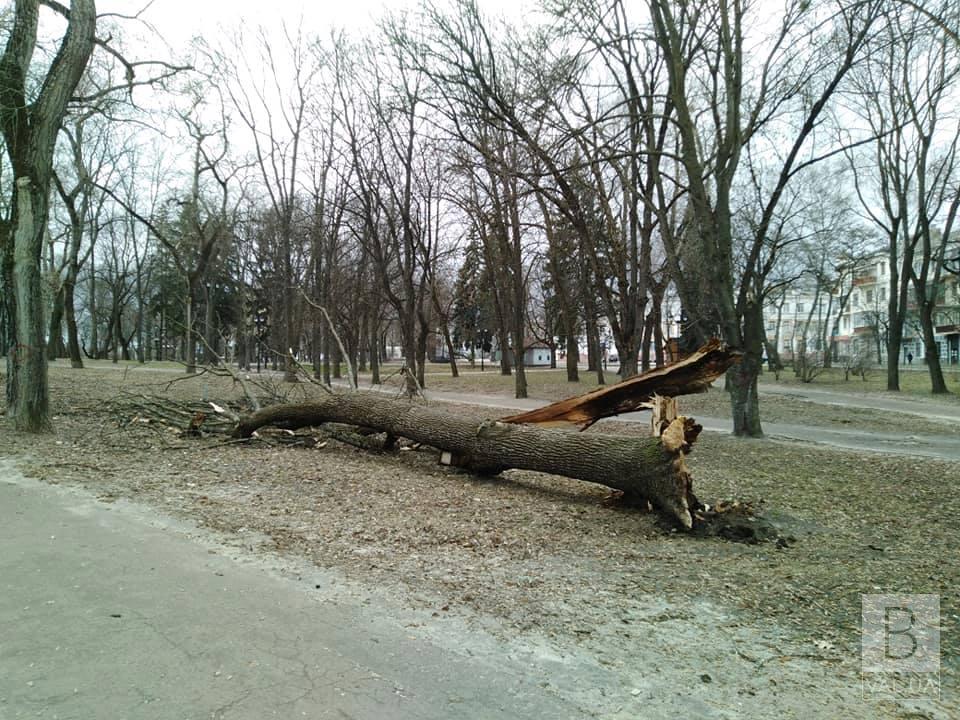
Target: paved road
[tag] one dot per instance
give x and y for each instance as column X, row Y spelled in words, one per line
column 106, row 612
column 907, row 405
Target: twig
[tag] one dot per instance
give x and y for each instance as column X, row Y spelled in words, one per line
column 416, row 382
column 308, row 377
column 343, row 350
column 225, row 367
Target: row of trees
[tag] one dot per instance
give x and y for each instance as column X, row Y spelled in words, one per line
column 459, row 180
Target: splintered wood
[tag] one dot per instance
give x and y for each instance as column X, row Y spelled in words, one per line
column 692, row 374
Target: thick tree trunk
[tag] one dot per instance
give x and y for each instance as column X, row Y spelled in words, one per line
column 938, row 385
column 506, row 368
column 742, row 378
column 573, row 356
column 70, row 316
column 651, row 469
column 29, row 131
column 55, row 347
column 29, row 403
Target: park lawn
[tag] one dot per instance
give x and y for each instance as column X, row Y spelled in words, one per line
column 913, row 382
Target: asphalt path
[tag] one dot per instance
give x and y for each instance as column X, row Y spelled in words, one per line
column 110, row 612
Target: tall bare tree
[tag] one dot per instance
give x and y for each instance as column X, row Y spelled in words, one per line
column 908, row 184
column 725, row 97
column 30, row 121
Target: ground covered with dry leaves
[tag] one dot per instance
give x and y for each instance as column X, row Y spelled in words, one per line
column 531, row 555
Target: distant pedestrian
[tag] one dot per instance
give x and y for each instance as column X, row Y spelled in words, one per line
column 909, row 358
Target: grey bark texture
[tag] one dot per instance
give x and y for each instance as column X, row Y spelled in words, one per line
column 651, row 469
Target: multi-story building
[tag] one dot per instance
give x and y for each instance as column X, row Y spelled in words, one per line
column 798, row 320
column 861, row 328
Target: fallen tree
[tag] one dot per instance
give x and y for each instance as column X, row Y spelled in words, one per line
column 644, row 469
column 651, row 469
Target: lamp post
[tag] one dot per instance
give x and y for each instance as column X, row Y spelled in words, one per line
column 260, row 320
column 483, row 344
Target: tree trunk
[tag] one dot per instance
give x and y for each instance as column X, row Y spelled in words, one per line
column 30, row 131
column 189, row 344
column 650, row 469
column 29, row 403
column 938, row 385
column 70, row 316
column 742, row 377
column 55, row 347
column 506, row 368
column 374, row 352
column 451, row 354
column 573, row 356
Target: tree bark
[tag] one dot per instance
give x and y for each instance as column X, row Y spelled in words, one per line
column 931, row 351
column 55, row 347
column 30, row 131
column 651, row 469
column 29, row 405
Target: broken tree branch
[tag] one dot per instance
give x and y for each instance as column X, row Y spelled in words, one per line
column 692, row 374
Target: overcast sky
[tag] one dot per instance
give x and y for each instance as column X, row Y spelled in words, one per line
column 178, row 21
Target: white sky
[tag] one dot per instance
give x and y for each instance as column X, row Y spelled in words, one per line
column 177, row 21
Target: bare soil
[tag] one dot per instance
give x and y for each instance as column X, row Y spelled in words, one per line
column 557, row 568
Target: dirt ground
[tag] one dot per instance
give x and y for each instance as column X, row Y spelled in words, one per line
column 559, row 569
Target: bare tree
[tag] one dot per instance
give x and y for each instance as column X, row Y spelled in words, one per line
column 908, row 183
column 384, row 120
column 30, row 124
column 709, row 66
column 274, row 107
column 92, row 158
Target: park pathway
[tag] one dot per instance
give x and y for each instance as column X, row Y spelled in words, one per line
column 111, row 611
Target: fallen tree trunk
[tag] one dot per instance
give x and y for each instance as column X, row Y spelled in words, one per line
column 651, row 469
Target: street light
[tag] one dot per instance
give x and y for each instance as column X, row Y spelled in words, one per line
column 483, row 345
column 260, row 320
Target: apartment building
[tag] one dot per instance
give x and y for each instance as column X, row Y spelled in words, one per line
column 805, row 319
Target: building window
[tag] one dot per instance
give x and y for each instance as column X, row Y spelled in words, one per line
column 799, row 307
column 883, row 294
column 856, row 298
column 869, row 297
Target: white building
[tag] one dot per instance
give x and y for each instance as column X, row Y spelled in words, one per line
column 861, row 328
